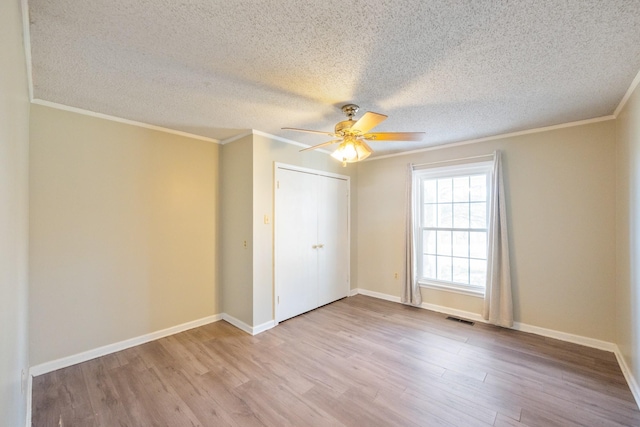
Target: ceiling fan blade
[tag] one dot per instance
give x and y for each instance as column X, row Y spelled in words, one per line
column 366, row 145
column 310, row 131
column 333, row 141
column 368, row 122
column 395, row 136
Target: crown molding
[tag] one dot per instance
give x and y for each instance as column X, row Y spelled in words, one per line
column 279, row 138
column 495, row 137
column 121, row 120
column 265, row 134
column 26, row 44
column 627, row 95
column 270, row 136
column 235, row 138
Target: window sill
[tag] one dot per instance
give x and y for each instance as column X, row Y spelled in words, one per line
column 450, row 287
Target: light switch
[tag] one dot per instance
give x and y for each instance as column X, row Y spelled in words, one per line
column 266, row 219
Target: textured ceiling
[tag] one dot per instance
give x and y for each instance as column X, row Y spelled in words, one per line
column 456, row 70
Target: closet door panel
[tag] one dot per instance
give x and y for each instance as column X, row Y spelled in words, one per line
column 333, row 239
column 295, row 257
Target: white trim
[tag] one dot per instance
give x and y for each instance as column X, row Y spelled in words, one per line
column 375, row 294
column 353, row 292
column 452, row 287
column 494, row 137
column 457, row 169
column 461, row 161
column 235, row 138
column 295, row 168
column 453, row 312
column 237, row 323
column 562, row 336
column 263, row 327
column 270, row 136
column 29, row 397
column 251, row 330
column 432, row 307
column 64, row 362
column 279, row 138
column 266, row 135
column 628, row 375
column 121, row 120
column 288, row 141
column 26, row 44
column 627, row 95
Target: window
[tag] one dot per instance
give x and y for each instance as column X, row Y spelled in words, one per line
column 452, row 226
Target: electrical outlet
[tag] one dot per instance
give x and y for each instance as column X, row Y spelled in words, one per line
column 395, row 275
column 244, row 243
column 266, row 219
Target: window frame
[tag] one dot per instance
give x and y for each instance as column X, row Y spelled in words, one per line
column 451, row 171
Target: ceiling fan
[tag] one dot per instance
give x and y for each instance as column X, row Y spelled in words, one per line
column 353, row 135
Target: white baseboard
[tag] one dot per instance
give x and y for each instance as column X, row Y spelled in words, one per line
column 67, row 361
column 237, row 323
column 432, row 307
column 628, row 375
column 263, row 327
column 375, row 294
column 28, row 422
column 564, row 336
column 251, row 330
column 550, row 333
column 64, row 362
column 454, row 312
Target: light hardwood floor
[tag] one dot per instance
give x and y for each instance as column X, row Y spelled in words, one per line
column 357, row 362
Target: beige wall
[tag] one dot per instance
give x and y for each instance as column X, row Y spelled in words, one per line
column 236, row 225
column 247, row 196
column 14, row 188
column 628, row 233
column 122, row 232
column 560, row 186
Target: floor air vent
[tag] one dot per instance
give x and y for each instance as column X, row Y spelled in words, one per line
column 456, row 319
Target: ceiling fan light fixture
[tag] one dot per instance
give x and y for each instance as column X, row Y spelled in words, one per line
column 350, row 151
column 353, row 135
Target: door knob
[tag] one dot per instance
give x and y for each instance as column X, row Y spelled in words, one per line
column 321, row 246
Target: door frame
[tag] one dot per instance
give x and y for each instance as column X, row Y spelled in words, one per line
column 277, row 166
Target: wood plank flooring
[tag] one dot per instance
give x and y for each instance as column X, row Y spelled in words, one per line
column 357, row 362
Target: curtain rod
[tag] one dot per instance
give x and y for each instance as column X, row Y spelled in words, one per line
column 453, row 160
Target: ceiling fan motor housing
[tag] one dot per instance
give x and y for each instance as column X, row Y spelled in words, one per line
column 343, row 125
column 350, row 110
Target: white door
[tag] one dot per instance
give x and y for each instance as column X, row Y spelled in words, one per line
column 311, row 241
column 296, row 255
column 333, row 239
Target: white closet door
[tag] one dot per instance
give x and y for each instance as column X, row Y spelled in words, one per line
column 296, row 257
column 333, row 239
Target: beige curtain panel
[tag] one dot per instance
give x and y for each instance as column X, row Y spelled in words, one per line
column 411, row 292
column 498, row 304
